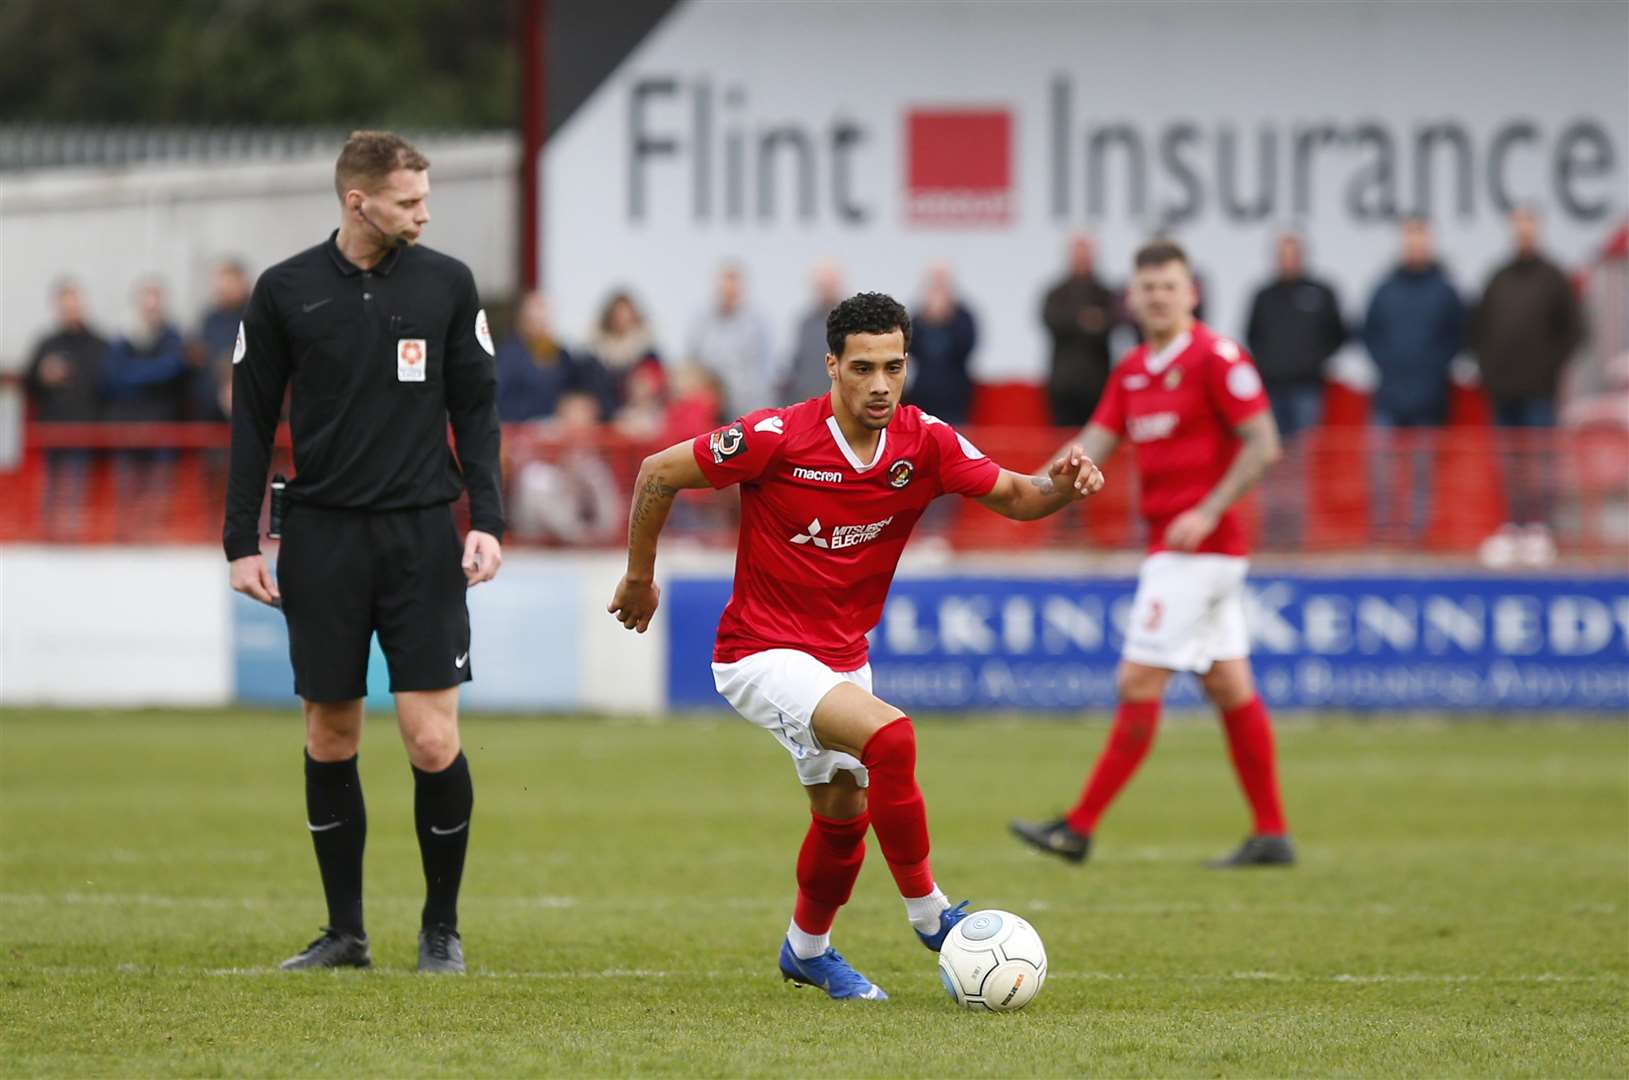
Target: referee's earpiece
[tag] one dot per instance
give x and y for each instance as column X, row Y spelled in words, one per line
column 391, row 240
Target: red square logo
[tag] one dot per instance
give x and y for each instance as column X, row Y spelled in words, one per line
column 958, row 168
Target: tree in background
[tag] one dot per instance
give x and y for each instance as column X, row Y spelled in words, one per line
column 407, row 63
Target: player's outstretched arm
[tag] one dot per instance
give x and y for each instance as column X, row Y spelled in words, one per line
column 1259, row 450
column 1069, row 478
column 661, row 476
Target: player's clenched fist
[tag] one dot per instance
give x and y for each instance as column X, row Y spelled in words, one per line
column 1075, row 471
column 634, row 603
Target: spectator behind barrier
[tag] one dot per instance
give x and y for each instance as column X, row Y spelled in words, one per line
column 210, row 351
column 1294, row 327
column 1414, row 328
column 535, row 370
column 622, row 342
column 1524, row 330
column 805, row 374
column 145, row 381
column 731, row 340
column 64, row 377
column 64, row 384
column 146, row 372
column 572, row 499
column 1079, row 312
column 943, row 336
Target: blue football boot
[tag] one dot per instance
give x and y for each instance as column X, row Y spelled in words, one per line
column 831, row 973
column 947, row 919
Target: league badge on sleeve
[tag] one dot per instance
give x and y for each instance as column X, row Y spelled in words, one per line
column 483, row 333
column 241, row 347
column 727, row 443
column 1243, row 382
column 410, row 365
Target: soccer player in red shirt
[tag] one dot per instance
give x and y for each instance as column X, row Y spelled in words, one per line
column 830, row 490
column 1192, row 405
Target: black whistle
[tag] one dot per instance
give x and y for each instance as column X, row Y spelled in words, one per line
column 279, row 506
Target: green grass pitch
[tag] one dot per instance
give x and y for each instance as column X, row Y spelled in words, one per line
column 1462, row 907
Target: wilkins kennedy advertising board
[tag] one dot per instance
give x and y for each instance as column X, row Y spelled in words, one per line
column 1363, row 643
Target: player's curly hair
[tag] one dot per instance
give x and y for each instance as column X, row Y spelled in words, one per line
column 866, row 313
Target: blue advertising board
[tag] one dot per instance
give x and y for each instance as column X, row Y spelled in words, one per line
column 1318, row 642
column 525, row 649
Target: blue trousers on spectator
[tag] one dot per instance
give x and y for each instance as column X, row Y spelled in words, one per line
column 1526, row 461
column 1296, row 407
column 1404, row 460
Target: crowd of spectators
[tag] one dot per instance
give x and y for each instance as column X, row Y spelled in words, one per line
column 1415, row 327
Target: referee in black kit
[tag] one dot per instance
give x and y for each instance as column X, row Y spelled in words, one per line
column 383, row 342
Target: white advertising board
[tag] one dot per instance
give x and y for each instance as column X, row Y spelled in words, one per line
column 890, row 135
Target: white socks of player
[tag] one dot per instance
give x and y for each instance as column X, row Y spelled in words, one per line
column 806, row 946
column 923, row 911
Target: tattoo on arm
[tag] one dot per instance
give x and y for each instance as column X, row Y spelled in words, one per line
column 1259, row 450
column 1043, row 484
column 655, row 490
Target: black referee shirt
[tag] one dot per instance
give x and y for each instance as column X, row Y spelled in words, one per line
column 379, row 361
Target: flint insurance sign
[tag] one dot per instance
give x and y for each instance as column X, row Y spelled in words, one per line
column 1470, row 643
column 889, row 135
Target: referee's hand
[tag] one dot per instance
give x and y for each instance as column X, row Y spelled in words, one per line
column 482, row 557
column 251, row 578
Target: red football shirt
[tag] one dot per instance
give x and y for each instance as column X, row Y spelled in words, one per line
column 1179, row 408
column 821, row 530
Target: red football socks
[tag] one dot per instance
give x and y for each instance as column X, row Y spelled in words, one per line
column 1129, row 740
column 1250, row 744
column 897, row 812
column 828, row 863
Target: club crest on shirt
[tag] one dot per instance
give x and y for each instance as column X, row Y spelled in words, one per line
column 1173, row 379
column 727, row 443
column 899, row 473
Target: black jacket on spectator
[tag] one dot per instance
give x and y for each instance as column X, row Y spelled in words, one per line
column 79, row 397
column 1295, row 327
column 1080, row 313
column 146, row 381
column 1525, row 329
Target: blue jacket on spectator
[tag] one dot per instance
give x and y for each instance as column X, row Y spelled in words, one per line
column 941, row 382
column 146, row 381
column 1414, row 329
column 530, row 387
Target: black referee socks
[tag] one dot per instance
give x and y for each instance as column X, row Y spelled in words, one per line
column 339, row 829
column 441, row 808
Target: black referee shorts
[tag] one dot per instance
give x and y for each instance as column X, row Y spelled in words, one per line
column 345, row 574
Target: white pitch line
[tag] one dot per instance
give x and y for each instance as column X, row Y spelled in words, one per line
column 768, row 903
column 1343, row 979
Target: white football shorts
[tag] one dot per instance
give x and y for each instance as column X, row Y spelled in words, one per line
column 778, row 689
column 1188, row 612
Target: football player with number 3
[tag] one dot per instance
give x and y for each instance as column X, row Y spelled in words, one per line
column 830, row 491
column 1192, row 405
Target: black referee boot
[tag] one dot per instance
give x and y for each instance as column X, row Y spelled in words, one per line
column 1258, row 850
column 1054, row 837
column 335, row 949
column 441, row 951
